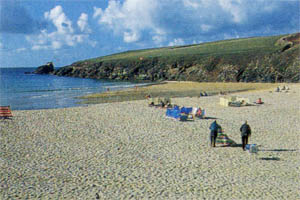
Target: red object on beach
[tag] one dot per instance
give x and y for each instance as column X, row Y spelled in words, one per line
column 259, row 101
column 5, row 112
column 199, row 112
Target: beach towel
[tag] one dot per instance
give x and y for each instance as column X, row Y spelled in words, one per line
column 174, row 113
column 186, row 110
column 176, row 107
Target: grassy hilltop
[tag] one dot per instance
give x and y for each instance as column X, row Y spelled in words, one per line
column 261, row 59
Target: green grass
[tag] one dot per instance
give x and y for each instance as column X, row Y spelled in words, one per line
column 253, row 46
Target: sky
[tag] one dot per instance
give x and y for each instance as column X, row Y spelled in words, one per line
column 34, row 32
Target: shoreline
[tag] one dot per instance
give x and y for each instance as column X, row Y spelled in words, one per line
column 171, row 89
column 174, row 89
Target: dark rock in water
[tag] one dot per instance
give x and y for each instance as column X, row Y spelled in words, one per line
column 28, row 72
column 45, row 69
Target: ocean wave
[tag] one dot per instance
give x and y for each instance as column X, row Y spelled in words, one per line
column 58, row 89
column 40, row 96
column 127, row 86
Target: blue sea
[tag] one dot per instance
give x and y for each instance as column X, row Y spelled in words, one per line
column 32, row 91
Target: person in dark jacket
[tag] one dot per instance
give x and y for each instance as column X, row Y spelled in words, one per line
column 245, row 134
column 214, row 128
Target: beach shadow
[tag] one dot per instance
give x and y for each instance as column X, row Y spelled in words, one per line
column 236, row 145
column 209, row 118
column 278, row 150
column 273, row 158
column 188, row 120
column 252, row 105
column 6, row 119
column 257, row 104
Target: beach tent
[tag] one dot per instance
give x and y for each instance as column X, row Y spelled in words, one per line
column 224, row 140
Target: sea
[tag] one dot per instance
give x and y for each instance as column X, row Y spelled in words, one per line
column 23, row 91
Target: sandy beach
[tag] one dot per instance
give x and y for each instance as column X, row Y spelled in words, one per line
column 128, row 150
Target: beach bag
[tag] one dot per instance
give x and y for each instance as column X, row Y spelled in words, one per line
column 247, row 147
column 253, row 148
column 199, row 112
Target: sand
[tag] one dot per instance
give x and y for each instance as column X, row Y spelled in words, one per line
column 128, row 150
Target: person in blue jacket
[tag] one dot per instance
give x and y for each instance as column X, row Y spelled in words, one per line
column 214, row 128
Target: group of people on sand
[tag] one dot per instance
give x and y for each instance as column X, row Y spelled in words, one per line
column 163, row 103
column 215, row 128
column 283, row 88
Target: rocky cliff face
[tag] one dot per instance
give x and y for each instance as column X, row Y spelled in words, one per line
column 45, row 69
column 282, row 65
column 279, row 67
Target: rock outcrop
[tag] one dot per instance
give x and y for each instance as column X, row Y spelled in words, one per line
column 45, row 69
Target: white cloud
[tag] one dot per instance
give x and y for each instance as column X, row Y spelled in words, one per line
column 235, row 8
column 20, row 49
column 205, row 27
column 83, row 23
column 64, row 35
column 158, row 21
column 129, row 19
column 131, row 37
column 197, row 42
column 59, row 19
column 158, row 39
column 38, row 47
column 92, row 43
column 191, row 4
column 97, row 12
column 176, row 42
column 164, row 20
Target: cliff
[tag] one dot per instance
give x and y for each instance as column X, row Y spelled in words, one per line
column 261, row 59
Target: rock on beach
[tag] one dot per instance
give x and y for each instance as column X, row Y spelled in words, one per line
column 129, row 150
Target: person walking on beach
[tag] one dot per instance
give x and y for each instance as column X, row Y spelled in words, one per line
column 214, row 127
column 245, row 133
